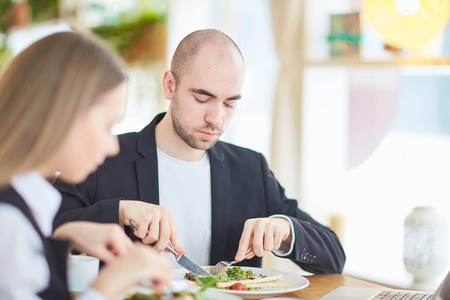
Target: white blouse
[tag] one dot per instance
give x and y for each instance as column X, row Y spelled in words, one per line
column 24, row 270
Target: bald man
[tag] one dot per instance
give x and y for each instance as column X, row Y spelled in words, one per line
column 180, row 184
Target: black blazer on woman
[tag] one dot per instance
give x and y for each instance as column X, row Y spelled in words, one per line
column 55, row 250
column 242, row 187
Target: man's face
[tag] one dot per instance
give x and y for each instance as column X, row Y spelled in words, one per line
column 206, row 98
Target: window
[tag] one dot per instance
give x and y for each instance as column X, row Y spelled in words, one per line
column 376, row 144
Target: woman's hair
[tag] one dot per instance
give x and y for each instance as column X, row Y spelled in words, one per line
column 44, row 89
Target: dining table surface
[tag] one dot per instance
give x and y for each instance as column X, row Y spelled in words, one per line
column 320, row 285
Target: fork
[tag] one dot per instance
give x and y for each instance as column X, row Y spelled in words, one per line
column 222, row 265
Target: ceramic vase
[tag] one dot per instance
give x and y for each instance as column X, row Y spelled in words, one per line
column 425, row 248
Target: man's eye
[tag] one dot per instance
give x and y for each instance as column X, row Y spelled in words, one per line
column 200, row 101
column 230, row 104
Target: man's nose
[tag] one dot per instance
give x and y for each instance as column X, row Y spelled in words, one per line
column 214, row 114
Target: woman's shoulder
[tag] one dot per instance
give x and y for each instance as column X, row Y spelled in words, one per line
column 13, row 219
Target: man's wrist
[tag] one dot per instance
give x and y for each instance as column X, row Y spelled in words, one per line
column 122, row 203
column 287, row 245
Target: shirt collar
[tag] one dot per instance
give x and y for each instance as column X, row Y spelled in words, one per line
column 40, row 196
column 202, row 161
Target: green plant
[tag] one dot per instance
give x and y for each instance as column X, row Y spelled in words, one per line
column 121, row 36
column 139, row 33
column 4, row 15
column 42, row 10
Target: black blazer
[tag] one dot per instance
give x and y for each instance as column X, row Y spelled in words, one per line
column 242, row 187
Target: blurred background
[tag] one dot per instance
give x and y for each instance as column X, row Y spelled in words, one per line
column 354, row 123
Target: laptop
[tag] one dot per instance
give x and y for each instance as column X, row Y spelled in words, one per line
column 361, row 293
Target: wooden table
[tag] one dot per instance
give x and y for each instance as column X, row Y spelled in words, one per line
column 320, row 285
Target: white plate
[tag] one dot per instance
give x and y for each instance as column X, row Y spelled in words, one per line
column 211, row 294
column 300, row 282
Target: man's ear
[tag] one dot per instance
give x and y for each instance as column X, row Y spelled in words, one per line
column 169, row 85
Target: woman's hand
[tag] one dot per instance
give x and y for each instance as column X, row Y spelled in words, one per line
column 105, row 241
column 140, row 264
column 127, row 264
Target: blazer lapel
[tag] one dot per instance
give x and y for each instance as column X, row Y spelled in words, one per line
column 147, row 167
column 221, row 199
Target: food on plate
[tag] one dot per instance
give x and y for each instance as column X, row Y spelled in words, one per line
column 236, row 278
column 183, row 295
column 239, row 286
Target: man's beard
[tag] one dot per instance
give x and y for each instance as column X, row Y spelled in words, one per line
column 182, row 132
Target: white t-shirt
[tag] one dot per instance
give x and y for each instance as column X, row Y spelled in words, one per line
column 185, row 189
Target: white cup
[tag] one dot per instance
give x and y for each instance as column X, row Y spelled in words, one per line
column 82, row 270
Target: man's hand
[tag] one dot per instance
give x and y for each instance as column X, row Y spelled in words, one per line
column 263, row 234
column 105, row 241
column 154, row 219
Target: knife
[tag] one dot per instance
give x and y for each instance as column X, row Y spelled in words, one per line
column 182, row 260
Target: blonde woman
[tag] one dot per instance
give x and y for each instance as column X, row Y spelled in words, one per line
column 59, row 99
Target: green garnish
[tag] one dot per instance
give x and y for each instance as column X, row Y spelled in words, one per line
column 236, row 273
column 206, row 281
column 232, row 274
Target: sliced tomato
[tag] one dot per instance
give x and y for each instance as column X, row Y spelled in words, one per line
column 238, row 286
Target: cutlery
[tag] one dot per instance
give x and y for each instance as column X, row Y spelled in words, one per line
column 222, row 265
column 182, row 260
